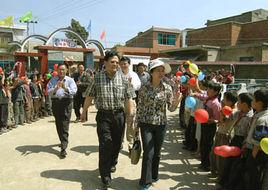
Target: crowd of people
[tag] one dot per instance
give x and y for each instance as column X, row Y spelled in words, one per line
column 134, row 104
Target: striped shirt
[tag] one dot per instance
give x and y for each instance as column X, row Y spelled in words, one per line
column 61, row 93
column 110, row 93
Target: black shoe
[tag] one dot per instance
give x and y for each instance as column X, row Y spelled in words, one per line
column 204, row 168
column 106, row 182
column 113, row 169
column 63, row 153
column 77, row 120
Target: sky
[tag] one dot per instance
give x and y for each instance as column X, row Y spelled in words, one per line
column 124, row 19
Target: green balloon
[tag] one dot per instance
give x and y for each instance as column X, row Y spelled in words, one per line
column 49, row 76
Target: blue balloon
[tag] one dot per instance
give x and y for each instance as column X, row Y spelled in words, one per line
column 190, row 102
column 201, row 76
column 183, row 79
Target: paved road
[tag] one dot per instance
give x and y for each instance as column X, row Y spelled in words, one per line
column 29, row 160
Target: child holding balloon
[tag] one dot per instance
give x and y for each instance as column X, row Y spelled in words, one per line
column 242, row 119
column 208, row 128
column 223, row 135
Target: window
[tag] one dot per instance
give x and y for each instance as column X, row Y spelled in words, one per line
column 166, row 39
column 246, row 58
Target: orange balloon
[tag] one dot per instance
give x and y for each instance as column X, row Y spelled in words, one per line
column 226, row 110
column 55, row 73
column 192, row 81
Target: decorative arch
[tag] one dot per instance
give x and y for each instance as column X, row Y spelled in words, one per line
column 15, row 43
column 39, row 37
column 80, row 39
column 98, row 44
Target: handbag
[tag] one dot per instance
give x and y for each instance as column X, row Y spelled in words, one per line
column 135, row 152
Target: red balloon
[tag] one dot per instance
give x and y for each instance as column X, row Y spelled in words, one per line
column 227, row 151
column 179, row 74
column 1, row 70
column 226, row 110
column 192, row 81
column 55, row 73
column 236, row 151
column 201, row 115
column 55, row 67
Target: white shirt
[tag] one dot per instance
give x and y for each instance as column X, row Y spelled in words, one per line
column 135, row 80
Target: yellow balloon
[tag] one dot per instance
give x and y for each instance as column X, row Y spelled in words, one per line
column 264, row 145
column 193, row 68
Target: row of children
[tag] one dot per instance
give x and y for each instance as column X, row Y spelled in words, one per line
column 243, row 128
column 23, row 100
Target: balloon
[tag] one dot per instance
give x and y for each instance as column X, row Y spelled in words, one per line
column 236, row 151
column 226, row 110
column 201, row 76
column 49, row 76
column 264, row 145
column 227, row 151
column 183, row 79
column 201, row 115
column 1, row 70
column 55, row 67
column 55, row 73
column 178, row 78
column 193, row 69
column 190, row 102
column 192, row 81
column 179, row 74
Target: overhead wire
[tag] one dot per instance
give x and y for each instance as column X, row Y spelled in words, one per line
column 73, row 8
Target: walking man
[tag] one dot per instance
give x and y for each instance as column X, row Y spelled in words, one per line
column 62, row 89
column 82, row 79
column 110, row 91
column 136, row 84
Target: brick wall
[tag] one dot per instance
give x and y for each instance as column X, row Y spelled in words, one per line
column 218, row 35
column 144, row 40
column 255, row 32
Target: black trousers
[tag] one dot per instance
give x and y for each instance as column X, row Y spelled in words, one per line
column 110, row 129
column 181, row 113
column 78, row 103
column 190, row 130
column 152, row 141
column 3, row 115
column 230, row 162
column 62, row 109
column 207, row 135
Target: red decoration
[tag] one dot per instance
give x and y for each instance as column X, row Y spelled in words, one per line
column 227, row 151
column 192, row 81
column 226, row 110
column 55, row 73
column 56, row 67
column 179, row 74
column 201, row 115
column 1, row 70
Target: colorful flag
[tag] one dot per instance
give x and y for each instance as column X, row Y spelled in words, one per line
column 26, row 17
column 103, row 35
column 8, row 21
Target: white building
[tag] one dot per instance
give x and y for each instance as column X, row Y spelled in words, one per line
column 8, row 34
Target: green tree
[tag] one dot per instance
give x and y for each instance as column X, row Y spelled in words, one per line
column 75, row 26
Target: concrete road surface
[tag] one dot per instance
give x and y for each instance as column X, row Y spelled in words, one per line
column 30, row 160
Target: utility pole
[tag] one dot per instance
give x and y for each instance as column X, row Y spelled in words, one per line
column 28, row 33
